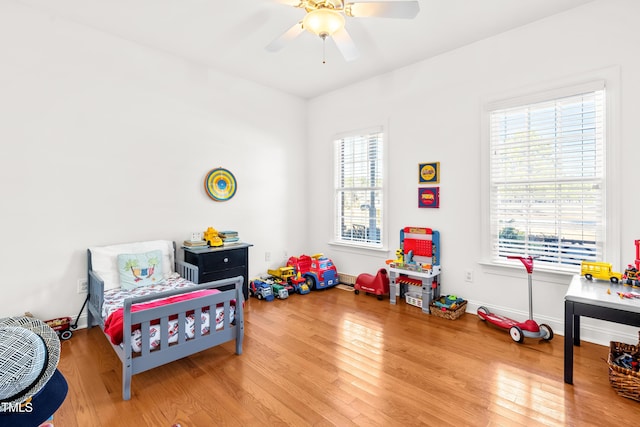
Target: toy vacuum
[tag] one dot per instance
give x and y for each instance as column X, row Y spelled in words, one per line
column 519, row 330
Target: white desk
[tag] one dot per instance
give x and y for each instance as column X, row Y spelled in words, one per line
column 592, row 299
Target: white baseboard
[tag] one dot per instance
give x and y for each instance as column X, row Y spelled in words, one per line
column 82, row 321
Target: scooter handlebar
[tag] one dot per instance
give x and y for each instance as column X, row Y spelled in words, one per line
column 526, row 261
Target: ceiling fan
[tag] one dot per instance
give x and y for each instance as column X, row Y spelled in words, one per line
column 326, row 19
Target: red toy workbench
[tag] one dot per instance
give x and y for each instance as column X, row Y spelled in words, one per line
column 419, row 267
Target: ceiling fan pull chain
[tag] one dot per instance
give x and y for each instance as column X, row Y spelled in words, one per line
column 324, row 44
column 324, row 49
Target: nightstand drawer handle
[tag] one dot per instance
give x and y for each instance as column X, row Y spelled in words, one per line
column 226, row 260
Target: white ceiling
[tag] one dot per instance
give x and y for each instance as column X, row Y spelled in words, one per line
column 230, row 35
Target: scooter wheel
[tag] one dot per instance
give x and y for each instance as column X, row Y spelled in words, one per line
column 516, row 334
column 548, row 332
column 484, row 310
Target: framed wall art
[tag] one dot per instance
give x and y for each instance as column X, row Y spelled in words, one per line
column 429, row 197
column 429, row 173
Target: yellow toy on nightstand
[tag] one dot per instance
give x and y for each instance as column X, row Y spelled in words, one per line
column 212, row 238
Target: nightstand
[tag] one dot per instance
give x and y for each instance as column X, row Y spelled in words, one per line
column 221, row 263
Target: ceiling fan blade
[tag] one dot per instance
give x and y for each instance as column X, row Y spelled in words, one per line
column 294, row 3
column 288, row 35
column 383, row 9
column 345, row 44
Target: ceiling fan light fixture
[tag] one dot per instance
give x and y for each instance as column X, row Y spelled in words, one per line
column 323, row 22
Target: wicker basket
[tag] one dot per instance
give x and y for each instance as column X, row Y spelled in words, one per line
column 448, row 313
column 625, row 381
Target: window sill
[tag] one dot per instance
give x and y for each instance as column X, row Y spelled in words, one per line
column 350, row 247
column 516, row 269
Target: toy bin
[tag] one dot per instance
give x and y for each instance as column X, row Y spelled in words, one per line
column 625, row 381
column 413, row 298
column 420, row 298
column 447, row 313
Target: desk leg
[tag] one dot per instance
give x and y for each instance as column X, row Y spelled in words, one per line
column 568, row 341
column 393, row 287
column 576, row 330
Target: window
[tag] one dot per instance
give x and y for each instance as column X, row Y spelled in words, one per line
column 547, row 178
column 359, row 189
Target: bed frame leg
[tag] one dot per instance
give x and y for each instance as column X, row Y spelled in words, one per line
column 239, row 318
column 239, row 339
column 91, row 322
column 126, row 381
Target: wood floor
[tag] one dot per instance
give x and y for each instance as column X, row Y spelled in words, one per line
column 335, row 358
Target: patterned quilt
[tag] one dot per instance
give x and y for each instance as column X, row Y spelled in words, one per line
column 112, row 313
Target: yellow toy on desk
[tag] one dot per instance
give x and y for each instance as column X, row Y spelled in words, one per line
column 399, row 258
column 599, row 270
column 212, row 238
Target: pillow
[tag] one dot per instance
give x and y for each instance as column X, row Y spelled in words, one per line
column 140, row 269
column 104, row 259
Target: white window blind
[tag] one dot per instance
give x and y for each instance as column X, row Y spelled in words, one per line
column 359, row 189
column 547, row 179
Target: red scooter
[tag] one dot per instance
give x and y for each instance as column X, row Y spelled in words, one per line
column 519, row 330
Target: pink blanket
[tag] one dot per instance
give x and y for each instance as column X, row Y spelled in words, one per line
column 113, row 326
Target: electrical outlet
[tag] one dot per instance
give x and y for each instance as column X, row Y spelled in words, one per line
column 468, row 276
column 267, row 256
column 83, row 288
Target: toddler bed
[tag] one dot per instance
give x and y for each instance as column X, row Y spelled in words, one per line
column 152, row 309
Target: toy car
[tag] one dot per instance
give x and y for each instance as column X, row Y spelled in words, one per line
column 61, row 325
column 280, row 291
column 277, row 283
column 261, row 290
column 317, row 270
column 284, row 273
column 294, row 282
column 599, row 270
column 303, row 288
column 212, row 238
column 631, row 276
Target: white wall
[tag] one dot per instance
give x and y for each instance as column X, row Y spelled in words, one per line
column 432, row 111
column 103, row 141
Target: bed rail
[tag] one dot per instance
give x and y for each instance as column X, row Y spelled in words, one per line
column 188, row 271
